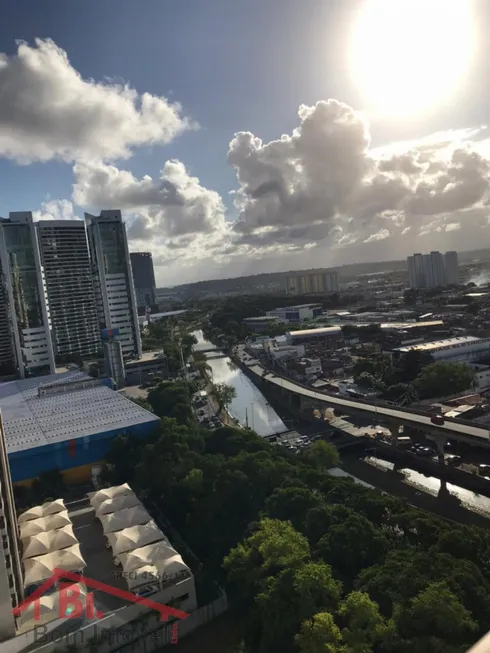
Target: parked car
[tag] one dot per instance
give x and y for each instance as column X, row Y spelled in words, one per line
column 438, row 420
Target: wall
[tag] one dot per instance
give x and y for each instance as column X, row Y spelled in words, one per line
column 141, row 631
column 30, row 463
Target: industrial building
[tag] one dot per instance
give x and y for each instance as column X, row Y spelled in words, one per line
column 70, row 290
column 325, row 333
column 65, row 421
column 296, row 313
column 113, row 279
column 307, row 284
column 144, row 279
column 464, row 348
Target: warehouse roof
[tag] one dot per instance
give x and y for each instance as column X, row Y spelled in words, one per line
column 31, row 420
column 447, row 343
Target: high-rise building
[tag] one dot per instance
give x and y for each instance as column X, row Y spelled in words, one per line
column 432, row 270
column 452, row 270
column 8, row 358
column 27, row 310
column 70, row 290
column 308, row 284
column 144, row 279
column 113, row 279
column 11, row 585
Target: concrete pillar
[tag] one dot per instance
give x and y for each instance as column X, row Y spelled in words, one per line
column 394, row 429
column 439, row 440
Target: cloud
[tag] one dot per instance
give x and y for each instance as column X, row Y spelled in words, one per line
column 47, row 111
column 323, row 185
column 176, row 217
column 55, row 210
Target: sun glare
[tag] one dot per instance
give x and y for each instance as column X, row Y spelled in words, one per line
column 409, row 55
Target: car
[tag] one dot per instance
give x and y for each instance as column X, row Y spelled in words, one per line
column 316, row 437
column 425, row 451
column 438, row 420
column 484, row 470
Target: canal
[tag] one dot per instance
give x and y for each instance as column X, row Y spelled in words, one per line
column 249, row 405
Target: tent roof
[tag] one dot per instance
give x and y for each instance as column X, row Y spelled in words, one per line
column 41, row 568
column 134, row 537
column 48, row 609
column 147, row 555
column 42, row 524
column 48, row 541
column 96, row 498
column 125, row 518
column 118, row 503
column 48, row 508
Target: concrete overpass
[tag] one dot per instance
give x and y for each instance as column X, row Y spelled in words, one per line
column 392, row 417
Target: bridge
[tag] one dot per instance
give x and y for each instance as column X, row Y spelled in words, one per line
column 207, row 350
column 455, row 429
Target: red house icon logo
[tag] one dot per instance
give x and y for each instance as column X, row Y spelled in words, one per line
column 71, row 605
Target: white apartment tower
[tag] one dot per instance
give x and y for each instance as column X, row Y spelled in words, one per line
column 452, row 270
column 71, row 297
column 113, row 279
column 11, row 585
column 24, row 321
column 432, row 270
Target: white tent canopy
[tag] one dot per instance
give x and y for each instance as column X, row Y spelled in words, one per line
column 126, row 518
column 43, row 524
column 48, row 508
column 48, row 609
column 118, row 503
column 147, row 575
column 96, row 498
column 147, row 555
column 40, row 568
column 134, row 537
column 47, row 542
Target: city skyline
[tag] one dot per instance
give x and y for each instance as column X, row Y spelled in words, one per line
column 61, row 283
column 227, row 160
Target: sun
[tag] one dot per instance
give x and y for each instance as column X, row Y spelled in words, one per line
column 407, row 56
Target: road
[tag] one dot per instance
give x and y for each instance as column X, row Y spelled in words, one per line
column 451, row 428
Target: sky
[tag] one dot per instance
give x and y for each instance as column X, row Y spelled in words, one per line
column 249, row 136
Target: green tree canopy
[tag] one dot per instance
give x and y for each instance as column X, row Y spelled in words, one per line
column 444, row 378
column 223, row 394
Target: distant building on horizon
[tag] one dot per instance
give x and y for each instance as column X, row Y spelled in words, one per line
column 433, row 270
column 144, row 279
column 310, row 284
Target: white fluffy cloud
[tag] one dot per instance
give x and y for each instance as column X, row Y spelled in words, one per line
column 55, row 210
column 319, row 196
column 322, row 185
column 180, row 220
column 47, row 111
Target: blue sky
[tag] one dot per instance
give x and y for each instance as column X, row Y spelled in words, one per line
column 235, row 66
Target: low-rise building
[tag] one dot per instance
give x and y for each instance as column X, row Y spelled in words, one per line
column 296, row 313
column 463, row 348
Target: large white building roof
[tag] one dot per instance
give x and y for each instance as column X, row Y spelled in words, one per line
column 32, row 421
column 446, row 343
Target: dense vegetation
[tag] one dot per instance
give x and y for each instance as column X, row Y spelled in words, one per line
column 311, row 563
column 412, row 375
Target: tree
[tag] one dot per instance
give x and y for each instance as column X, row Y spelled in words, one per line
column 322, row 455
column 49, row 485
column 274, row 545
column 411, row 363
column 435, row 620
column 320, row 634
column 365, row 627
column 292, row 504
column 223, row 394
column 444, row 378
column 352, row 545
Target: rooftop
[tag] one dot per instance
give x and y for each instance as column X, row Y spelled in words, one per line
column 446, row 343
column 31, row 421
column 388, row 325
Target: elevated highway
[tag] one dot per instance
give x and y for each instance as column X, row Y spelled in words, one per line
column 455, row 429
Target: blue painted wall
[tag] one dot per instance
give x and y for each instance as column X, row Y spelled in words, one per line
column 63, row 455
